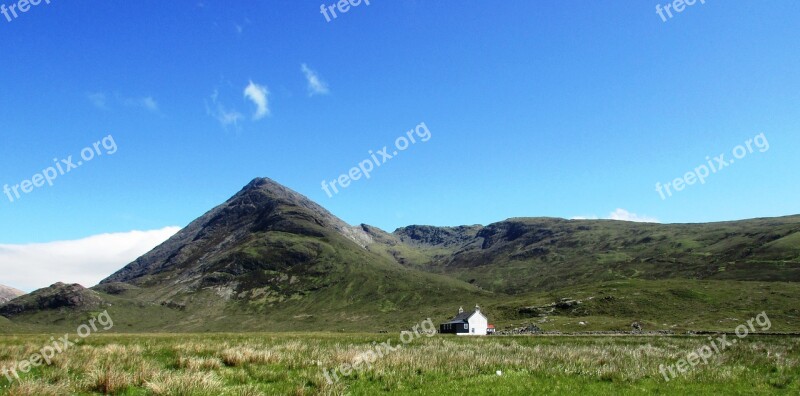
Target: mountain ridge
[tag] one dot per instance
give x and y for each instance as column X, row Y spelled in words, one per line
column 269, row 258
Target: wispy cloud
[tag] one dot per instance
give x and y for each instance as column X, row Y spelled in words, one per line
column 98, row 99
column 150, row 104
column 240, row 26
column 103, row 102
column 258, row 94
column 623, row 215
column 147, row 103
column 85, row 261
column 315, row 84
column 225, row 116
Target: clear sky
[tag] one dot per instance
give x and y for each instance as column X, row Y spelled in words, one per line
column 535, row 108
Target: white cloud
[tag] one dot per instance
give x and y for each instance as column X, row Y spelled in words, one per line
column 225, row 116
column 85, row 261
column 584, row 218
column 624, row 215
column 258, row 95
column 315, row 85
column 621, row 214
column 101, row 101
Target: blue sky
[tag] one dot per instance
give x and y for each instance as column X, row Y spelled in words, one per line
column 558, row 109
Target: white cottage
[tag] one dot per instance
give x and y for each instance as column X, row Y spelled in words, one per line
column 466, row 323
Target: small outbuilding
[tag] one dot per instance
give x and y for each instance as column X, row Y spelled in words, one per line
column 466, row 323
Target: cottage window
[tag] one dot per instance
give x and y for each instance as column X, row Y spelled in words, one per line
column 466, row 326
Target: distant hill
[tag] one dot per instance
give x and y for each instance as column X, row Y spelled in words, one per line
column 9, row 293
column 271, row 259
column 56, row 297
column 524, row 255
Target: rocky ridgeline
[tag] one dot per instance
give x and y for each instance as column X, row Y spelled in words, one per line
column 57, row 296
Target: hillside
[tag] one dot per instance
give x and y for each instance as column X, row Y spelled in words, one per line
column 272, row 257
column 524, row 255
column 56, row 297
column 269, row 259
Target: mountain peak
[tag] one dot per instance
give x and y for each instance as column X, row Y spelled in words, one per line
column 262, row 206
column 264, row 183
column 9, row 293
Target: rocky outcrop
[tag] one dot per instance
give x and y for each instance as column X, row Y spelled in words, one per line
column 55, row 297
column 437, row 236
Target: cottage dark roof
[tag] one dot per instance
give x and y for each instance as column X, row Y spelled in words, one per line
column 461, row 318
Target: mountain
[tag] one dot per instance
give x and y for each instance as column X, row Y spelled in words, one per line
column 270, row 259
column 521, row 255
column 271, row 251
column 9, row 293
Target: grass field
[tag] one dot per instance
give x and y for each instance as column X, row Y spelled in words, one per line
column 293, row 364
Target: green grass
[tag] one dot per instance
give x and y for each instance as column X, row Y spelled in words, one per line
column 270, row 364
column 540, row 254
column 677, row 305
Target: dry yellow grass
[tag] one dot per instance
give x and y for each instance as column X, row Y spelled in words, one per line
column 188, row 384
column 243, row 355
column 199, row 363
column 229, row 364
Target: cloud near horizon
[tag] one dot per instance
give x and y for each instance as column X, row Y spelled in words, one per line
column 622, row 215
column 84, row 261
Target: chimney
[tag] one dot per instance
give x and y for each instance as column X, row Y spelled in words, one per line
column 460, row 310
column 477, row 308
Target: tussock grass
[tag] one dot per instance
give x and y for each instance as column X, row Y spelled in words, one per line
column 243, row 355
column 293, row 364
column 199, row 364
column 185, row 384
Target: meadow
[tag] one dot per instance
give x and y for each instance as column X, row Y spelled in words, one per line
column 293, row 364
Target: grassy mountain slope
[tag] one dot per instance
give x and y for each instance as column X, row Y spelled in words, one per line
column 269, row 259
column 519, row 256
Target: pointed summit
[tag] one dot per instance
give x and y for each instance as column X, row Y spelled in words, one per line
column 9, row 293
column 262, row 206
